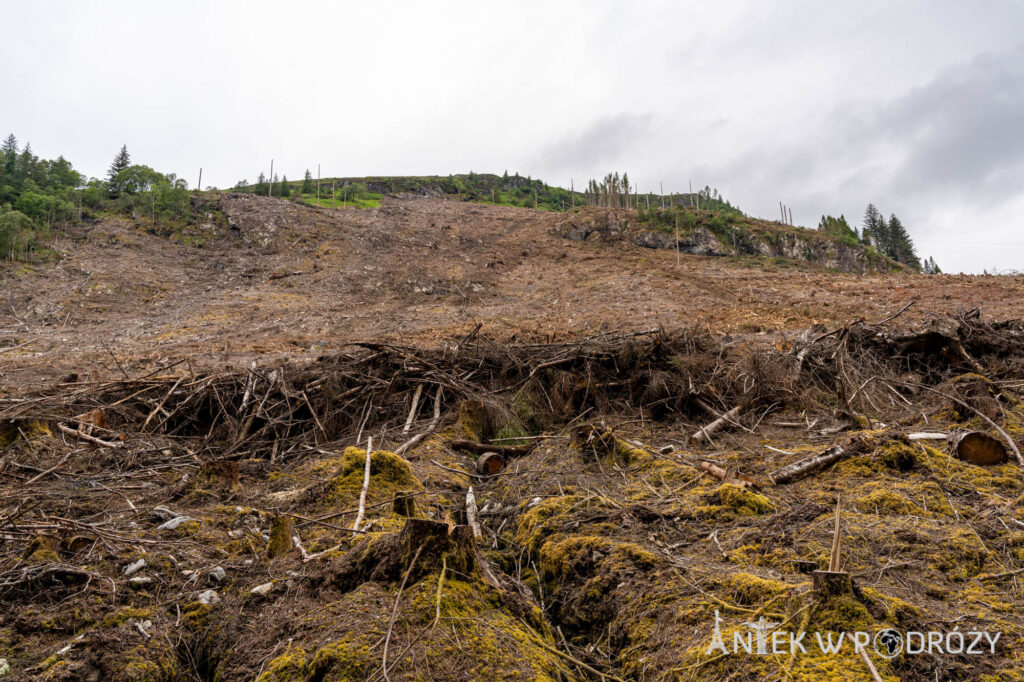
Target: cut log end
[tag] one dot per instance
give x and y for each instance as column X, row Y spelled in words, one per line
column 489, row 464
column 979, row 448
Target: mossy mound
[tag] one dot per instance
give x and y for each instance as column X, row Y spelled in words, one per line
column 390, row 474
column 728, row 501
column 546, row 517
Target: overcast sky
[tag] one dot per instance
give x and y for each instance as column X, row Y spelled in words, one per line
column 915, row 106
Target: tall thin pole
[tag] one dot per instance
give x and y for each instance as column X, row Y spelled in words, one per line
column 790, row 215
column 662, row 186
column 200, row 185
column 783, row 211
column 677, row 240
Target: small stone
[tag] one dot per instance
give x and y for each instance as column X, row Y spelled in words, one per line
column 217, row 574
column 262, row 590
column 135, row 567
column 209, row 597
column 173, row 523
column 187, row 571
column 140, row 580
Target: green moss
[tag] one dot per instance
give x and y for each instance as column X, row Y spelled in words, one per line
column 897, row 455
column 13, row 430
column 884, row 502
column 196, row 616
column 728, row 501
column 749, row 589
column 896, row 611
column 122, row 615
column 842, row 613
column 544, row 519
column 42, row 550
column 960, row 556
column 280, row 537
column 578, row 554
column 389, row 474
column 348, row 659
column 291, row 666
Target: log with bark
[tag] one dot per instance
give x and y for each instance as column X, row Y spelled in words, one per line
column 704, row 434
column 796, row 470
column 728, row 475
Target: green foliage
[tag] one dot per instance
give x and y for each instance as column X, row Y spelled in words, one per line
column 285, row 190
column 18, row 235
column 890, row 237
column 307, row 183
column 120, row 164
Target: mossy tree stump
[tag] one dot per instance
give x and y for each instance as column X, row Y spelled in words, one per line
column 280, row 537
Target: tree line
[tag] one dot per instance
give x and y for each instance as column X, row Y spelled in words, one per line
column 888, row 236
column 616, row 191
column 40, row 196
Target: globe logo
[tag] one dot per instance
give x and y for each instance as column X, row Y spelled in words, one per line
column 888, row 643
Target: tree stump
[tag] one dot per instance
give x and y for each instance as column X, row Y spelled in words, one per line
column 832, row 583
column 221, row 474
column 280, row 537
column 437, row 539
column 404, row 503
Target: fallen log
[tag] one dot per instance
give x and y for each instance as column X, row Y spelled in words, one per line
column 927, row 436
column 793, row 471
column 977, row 447
column 704, row 434
column 728, row 475
column 472, row 514
column 482, row 448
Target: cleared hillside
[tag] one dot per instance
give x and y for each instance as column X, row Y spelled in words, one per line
column 266, row 277
column 188, row 489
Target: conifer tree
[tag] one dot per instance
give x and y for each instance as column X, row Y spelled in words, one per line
column 901, row 245
column 286, row 191
column 121, row 162
column 307, row 183
column 869, row 232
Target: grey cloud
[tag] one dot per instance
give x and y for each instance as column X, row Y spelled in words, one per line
column 962, row 127
column 598, row 145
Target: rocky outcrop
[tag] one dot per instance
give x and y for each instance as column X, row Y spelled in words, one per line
column 749, row 238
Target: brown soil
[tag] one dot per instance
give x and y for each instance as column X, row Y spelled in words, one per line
column 605, row 550
column 297, row 282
